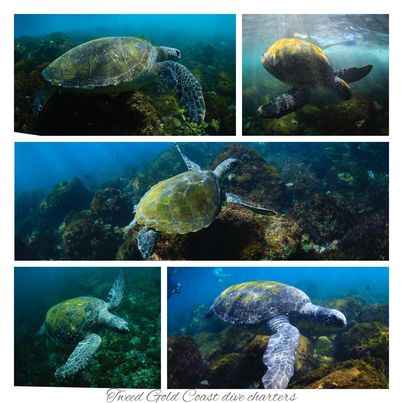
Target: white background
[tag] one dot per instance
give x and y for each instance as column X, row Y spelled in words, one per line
column 9, row 393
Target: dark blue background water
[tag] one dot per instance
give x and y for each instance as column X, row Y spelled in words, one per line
column 41, row 165
column 202, row 285
column 161, row 28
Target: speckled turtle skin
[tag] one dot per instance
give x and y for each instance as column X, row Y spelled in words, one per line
column 104, row 64
column 269, row 304
column 69, row 321
column 184, row 203
column 257, row 302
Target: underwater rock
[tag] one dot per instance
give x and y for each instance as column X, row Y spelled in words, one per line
column 43, row 242
column 367, row 341
column 209, row 345
column 224, row 372
column 323, row 350
column 374, row 313
column 85, row 237
column 352, row 374
column 235, row 339
column 113, row 206
column 22, row 251
column 323, row 217
column 70, row 195
column 255, row 179
column 186, row 368
column 305, row 361
column 355, row 116
column 129, row 250
column 357, row 244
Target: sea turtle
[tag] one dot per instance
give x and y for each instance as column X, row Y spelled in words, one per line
column 74, row 320
column 185, row 203
column 272, row 305
column 120, row 64
column 304, row 66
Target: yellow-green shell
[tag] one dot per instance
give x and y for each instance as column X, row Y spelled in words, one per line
column 256, row 302
column 104, row 62
column 298, row 62
column 71, row 319
column 184, row 203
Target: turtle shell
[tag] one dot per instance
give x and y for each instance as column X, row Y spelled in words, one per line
column 184, row 203
column 70, row 320
column 103, row 62
column 298, row 62
column 256, row 302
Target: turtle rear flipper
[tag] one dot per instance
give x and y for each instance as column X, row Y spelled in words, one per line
column 146, row 240
column 354, row 73
column 80, row 357
column 233, row 198
column 341, row 87
column 187, row 88
column 116, row 292
column 286, row 103
column 280, row 353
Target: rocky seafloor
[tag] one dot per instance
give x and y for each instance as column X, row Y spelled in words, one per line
column 331, row 202
column 366, row 113
column 122, row 361
column 207, row 353
column 153, row 110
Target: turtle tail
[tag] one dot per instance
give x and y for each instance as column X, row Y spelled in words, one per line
column 354, row 73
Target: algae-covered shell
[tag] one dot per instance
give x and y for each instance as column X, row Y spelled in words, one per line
column 103, row 62
column 256, row 302
column 297, row 62
column 184, row 203
column 70, row 319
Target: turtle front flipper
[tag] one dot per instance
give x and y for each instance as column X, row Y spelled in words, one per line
column 115, row 294
column 41, row 99
column 286, row 103
column 187, row 88
column 80, row 357
column 354, row 73
column 146, row 240
column 233, row 198
column 280, row 353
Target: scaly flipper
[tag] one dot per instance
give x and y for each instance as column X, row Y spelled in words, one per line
column 187, row 88
column 43, row 96
column 146, row 240
column 286, row 103
column 280, row 353
column 233, row 198
column 224, row 167
column 80, row 357
column 354, row 73
column 116, row 292
column 192, row 166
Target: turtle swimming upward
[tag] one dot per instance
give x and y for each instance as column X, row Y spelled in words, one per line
column 120, row 64
column 74, row 320
column 272, row 305
column 304, row 66
column 185, row 203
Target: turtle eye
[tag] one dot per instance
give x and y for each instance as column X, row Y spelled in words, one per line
column 178, row 54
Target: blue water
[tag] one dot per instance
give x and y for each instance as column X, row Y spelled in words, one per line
column 202, row 285
column 41, row 165
column 159, row 27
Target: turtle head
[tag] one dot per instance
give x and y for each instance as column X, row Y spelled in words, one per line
column 166, row 53
column 324, row 317
column 225, row 167
column 118, row 324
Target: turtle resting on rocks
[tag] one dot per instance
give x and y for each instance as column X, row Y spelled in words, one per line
column 272, row 305
column 74, row 320
column 120, row 64
column 185, row 203
column 304, row 66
